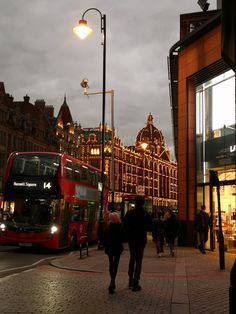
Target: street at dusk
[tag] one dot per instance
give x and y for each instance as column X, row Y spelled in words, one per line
column 117, row 157
column 80, row 286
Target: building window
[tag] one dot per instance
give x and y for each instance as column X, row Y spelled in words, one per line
column 216, row 150
column 95, row 151
column 215, row 126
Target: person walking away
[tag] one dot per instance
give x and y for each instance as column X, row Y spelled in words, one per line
column 158, row 233
column 171, row 231
column 137, row 222
column 113, row 247
column 202, row 224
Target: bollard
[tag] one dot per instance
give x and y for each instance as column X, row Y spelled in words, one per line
column 232, row 290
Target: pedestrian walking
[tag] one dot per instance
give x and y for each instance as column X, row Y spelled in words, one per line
column 136, row 224
column 158, row 233
column 202, row 224
column 113, row 246
column 171, row 231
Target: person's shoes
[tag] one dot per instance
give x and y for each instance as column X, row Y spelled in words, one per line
column 201, row 249
column 130, row 284
column 173, row 253
column 160, row 255
column 136, row 287
column 112, row 287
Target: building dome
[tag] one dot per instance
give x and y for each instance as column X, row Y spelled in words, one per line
column 150, row 134
column 153, row 138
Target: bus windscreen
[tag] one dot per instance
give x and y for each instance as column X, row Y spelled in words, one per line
column 35, row 165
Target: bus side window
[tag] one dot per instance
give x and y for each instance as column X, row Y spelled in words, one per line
column 85, row 213
column 84, row 174
column 66, row 213
column 90, row 177
column 75, row 213
column 68, row 169
column 92, row 212
column 77, row 170
column 93, row 178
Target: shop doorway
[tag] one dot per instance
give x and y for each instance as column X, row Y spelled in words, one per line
column 228, row 216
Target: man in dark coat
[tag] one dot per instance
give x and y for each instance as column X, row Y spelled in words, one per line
column 202, row 224
column 136, row 224
column 158, row 233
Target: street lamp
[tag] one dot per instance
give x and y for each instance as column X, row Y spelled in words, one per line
column 85, row 86
column 82, row 30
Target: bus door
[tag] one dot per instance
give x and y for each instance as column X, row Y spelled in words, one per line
column 64, row 226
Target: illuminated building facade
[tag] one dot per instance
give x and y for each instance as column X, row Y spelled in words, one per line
column 150, row 171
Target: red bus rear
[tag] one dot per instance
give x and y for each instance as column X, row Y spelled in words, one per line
column 50, row 200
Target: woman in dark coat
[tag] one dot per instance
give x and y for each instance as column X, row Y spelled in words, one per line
column 171, row 231
column 113, row 238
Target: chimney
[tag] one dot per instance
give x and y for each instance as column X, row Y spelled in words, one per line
column 26, row 98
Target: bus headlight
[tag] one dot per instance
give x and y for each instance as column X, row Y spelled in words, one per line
column 53, row 229
column 2, row 227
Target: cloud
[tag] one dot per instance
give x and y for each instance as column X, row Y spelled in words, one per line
column 41, row 57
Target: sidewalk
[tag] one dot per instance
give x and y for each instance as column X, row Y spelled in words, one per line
column 190, row 282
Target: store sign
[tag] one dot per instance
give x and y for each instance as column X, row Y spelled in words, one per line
column 221, row 151
column 232, row 148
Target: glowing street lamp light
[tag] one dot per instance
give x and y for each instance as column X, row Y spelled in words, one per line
column 144, row 146
column 83, row 30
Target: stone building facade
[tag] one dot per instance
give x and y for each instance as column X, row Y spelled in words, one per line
column 144, row 169
column 130, row 170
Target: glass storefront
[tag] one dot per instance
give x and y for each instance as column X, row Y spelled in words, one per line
column 216, row 150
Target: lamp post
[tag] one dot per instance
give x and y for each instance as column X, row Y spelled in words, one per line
column 82, row 30
column 85, row 86
column 144, row 147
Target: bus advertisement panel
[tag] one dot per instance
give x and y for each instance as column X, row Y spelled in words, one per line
column 51, row 200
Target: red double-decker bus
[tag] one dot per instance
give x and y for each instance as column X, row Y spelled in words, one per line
column 52, row 200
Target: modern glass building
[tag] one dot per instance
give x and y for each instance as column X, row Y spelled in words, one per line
column 215, row 150
column 202, row 85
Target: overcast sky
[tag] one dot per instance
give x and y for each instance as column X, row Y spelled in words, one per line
column 41, row 57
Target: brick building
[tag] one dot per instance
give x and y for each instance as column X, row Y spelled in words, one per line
column 33, row 127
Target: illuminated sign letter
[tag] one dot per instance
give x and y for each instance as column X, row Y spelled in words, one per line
column 47, row 185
